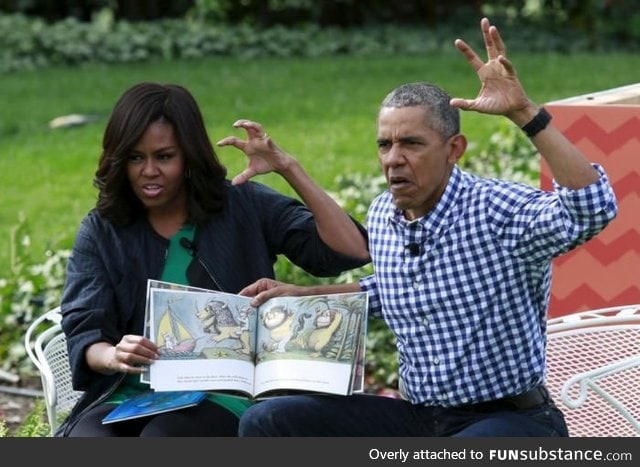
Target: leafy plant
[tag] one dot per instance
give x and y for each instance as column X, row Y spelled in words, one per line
column 35, row 424
column 209, row 30
column 507, row 154
column 30, row 288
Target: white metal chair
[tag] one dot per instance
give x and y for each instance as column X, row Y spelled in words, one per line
column 47, row 349
column 593, row 370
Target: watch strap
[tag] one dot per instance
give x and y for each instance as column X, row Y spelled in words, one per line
column 538, row 123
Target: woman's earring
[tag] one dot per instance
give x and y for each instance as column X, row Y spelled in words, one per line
column 187, row 174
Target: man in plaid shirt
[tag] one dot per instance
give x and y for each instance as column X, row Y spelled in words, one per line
column 462, row 271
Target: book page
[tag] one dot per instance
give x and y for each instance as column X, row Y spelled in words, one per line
column 359, row 368
column 205, row 340
column 145, row 377
column 310, row 343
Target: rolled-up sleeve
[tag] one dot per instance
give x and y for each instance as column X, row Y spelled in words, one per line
column 369, row 284
column 539, row 225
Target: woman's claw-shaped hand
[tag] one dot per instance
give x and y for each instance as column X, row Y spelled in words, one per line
column 264, row 156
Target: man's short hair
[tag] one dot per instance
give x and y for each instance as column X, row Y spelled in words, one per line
column 441, row 117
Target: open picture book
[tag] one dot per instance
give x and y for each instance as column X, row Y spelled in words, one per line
column 216, row 341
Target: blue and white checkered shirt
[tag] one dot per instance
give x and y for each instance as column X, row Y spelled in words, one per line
column 468, row 305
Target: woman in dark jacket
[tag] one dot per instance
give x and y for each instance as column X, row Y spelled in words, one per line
column 166, row 211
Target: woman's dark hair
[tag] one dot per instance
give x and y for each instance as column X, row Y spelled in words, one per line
column 137, row 108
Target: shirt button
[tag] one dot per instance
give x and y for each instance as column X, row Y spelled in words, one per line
column 436, row 360
column 425, row 321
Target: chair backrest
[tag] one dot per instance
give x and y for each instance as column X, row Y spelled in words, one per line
column 46, row 346
column 593, row 370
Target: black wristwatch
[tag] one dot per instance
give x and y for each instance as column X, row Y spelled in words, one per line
column 538, row 123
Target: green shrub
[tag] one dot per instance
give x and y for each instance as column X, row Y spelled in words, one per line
column 35, row 424
column 507, row 154
column 31, row 287
column 30, row 43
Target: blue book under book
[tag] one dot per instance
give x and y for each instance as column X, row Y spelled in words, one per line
column 152, row 403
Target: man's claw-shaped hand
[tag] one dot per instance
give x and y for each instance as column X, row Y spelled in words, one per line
column 501, row 92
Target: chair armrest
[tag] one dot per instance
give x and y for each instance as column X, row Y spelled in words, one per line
column 54, row 317
column 589, row 380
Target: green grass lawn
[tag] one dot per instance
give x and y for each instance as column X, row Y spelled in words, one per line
column 321, row 110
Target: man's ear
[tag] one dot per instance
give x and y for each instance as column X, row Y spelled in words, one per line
column 457, row 147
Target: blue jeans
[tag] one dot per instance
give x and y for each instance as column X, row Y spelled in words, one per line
column 367, row 415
